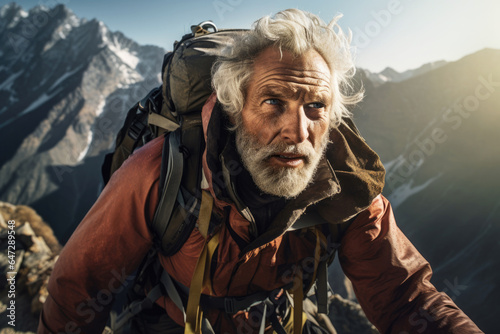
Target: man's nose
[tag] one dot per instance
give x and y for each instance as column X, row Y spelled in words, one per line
column 294, row 128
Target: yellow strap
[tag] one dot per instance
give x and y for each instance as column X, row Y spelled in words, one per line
column 297, row 321
column 298, row 297
column 212, row 246
column 193, row 311
column 205, row 213
column 201, row 274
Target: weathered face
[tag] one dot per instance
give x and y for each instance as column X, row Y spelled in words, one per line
column 285, row 120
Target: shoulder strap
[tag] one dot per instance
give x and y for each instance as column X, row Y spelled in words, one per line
column 201, row 274
column 170, row 182
column 179, row 188
column 335, row 234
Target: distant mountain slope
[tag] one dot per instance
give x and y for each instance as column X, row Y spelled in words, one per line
column 391, row 75
column 68, row 83
column 438, row 135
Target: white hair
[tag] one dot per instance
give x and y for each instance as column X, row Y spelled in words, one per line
column 297, row 32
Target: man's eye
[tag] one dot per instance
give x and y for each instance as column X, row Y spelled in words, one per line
column 316, row 105
column 272, row 101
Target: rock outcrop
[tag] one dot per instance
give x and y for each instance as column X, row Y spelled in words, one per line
column 24, row 275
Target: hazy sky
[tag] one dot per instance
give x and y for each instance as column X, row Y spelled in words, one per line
column 402, row 34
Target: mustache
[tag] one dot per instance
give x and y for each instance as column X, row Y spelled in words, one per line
column 264, row 152
column 277, row 148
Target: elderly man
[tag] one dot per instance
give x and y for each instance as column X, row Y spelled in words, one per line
column 278, row 129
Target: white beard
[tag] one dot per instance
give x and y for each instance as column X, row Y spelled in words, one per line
column 284, row 182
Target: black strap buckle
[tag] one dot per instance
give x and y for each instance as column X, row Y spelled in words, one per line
column 136, row 130
column 229, row 305
column 150, row 101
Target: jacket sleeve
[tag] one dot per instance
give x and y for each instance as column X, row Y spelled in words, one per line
column 107, row 246
column 392, row 280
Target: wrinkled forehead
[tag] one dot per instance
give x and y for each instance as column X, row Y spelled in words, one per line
column 273, row 68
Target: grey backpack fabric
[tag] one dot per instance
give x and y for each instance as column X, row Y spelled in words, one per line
column 186, row 73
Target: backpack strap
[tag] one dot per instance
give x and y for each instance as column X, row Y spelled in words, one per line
column 201, row 274
column 138, row 305
column 170, row 182
column 165, row 286
column 179, row 189
column 298, row 298
column 162, row 122
column 336, row 232
column 322, row 287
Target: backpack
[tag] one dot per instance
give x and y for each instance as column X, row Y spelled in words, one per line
column 174, row 111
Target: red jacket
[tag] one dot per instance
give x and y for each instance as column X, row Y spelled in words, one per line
column 390, row 277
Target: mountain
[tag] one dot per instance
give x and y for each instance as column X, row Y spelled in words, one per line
column 437, row 134
column 391, row 75
column 67, row 84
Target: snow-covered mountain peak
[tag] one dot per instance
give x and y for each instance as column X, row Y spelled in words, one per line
column 38, row 9
column 65, row 67
column 12, row 9
column 11, row 14
column 121, row 47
